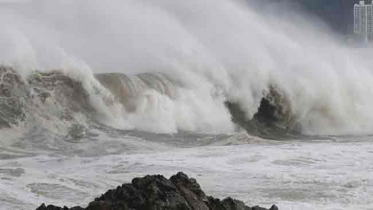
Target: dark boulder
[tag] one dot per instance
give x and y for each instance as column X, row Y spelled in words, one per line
column 51, row 207
column 158, row 193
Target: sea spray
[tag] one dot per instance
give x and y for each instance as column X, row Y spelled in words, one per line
column 217, row 50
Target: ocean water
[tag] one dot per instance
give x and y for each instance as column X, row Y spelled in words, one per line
column 322, row 174
column 263, row 104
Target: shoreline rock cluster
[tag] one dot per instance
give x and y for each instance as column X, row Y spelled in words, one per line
column 155, row 192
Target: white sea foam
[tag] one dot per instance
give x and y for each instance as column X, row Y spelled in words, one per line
column 207, row 46
column 220, row 46
column 209, row 51
column 293, row 175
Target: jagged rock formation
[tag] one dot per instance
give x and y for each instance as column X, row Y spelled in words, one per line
column 158, row 193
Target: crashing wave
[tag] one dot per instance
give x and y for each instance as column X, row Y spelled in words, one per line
column 54, row 96
column 12, row 94
column 128, row 89
column 274, row 119
column 47, row 100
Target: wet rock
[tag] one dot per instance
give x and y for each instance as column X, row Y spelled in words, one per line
column 158, row 193
column 226, row 204
column 51, row 207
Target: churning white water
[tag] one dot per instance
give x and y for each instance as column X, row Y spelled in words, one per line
column 176, row 63
column 333, row 174
column 219, row 50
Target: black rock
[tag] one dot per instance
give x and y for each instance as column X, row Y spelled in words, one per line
column 51, row 207
column 158, row 193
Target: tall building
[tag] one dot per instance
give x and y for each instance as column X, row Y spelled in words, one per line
column 363, row 19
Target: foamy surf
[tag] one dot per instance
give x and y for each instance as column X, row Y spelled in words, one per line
column 92, row 93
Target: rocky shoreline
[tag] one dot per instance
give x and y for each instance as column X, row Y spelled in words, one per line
column 155, row 192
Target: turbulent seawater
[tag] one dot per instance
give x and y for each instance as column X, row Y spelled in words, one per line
column 259, row 102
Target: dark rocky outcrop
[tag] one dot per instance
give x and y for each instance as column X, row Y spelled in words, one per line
column 158, row 193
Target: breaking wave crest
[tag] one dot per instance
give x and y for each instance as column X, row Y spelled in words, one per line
column 142, row 101
column 149, row 102
column 213, row 66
